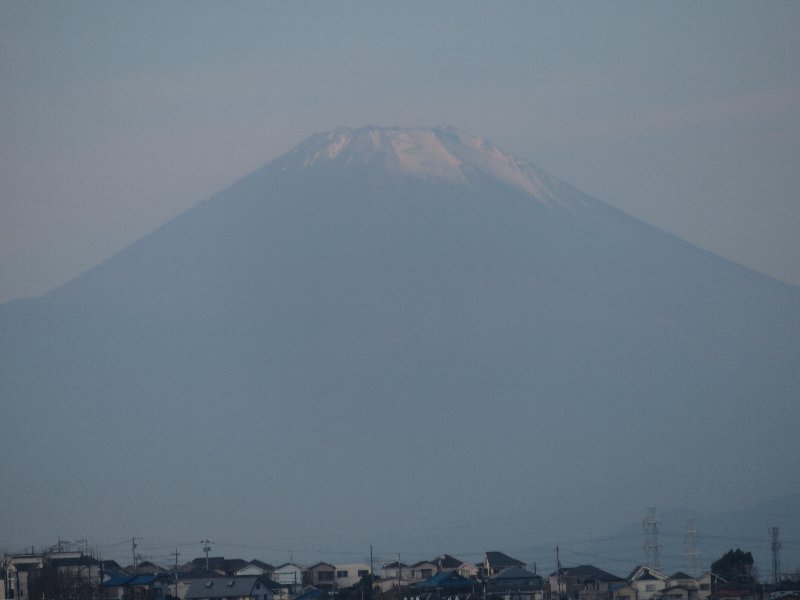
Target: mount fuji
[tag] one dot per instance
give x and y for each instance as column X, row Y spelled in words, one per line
column 399, row 335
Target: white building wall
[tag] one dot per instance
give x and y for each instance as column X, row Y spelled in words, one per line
column 289, row 574
column 352, row 578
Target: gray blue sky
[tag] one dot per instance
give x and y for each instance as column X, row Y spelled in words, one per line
column 115, row 117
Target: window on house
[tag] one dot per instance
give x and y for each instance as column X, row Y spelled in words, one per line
column 425, row 573
column 341, row 573
column 325, row 576
column 650, row 587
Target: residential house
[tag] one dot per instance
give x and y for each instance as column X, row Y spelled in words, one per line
column 321, row 575
column 350, row 574
column 211, row 563
column 515, row 583
column 585, row 582
column 289, row 574
column 234, row 564
column 643, row 583
column 277, row 591
column 255, row 567
column 229, row 588
column 422, row 570
column 310, row 593
column 495, row 562
column 226, row 567
column 450, row 563
column 135, row 587
column 144, row 568
column 21, row 572
column 707, row 583
column 447, row 583
column 76, row 564
column 681, row 586
column 180, row 588
column 394, row 574
column 110, row 566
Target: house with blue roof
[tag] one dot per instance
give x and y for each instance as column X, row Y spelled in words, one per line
column 122, row 587
column 447, row 583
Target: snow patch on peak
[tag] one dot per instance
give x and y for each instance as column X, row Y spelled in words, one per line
column 335, row 142
column 421, row 153
column 338, row 145
column 488, row 158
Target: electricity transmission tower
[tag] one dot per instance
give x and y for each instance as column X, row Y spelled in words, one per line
column 776, row 555
column 690, row 547
column 651, row 546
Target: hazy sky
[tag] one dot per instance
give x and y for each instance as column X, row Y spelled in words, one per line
column 116, row 116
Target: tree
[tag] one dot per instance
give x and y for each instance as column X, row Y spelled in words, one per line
column 735, row 566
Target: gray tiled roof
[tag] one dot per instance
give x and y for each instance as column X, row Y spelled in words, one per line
column 499, row 560
column 513, row 573
column 222, row 587
column 585, row 572
column 447, row 562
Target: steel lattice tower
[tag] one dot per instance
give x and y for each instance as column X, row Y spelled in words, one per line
column 651, row 547
column 776, row 555
column 690, row 547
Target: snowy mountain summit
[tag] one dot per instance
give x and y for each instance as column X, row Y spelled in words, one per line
column 437, row 154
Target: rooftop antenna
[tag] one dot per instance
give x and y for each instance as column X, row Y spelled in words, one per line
column 651, row 546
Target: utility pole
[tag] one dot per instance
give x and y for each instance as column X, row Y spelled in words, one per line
column 176, row 554
column 399, row 575
column 133, row 552
column 371, row 571
column 558, row 573
column 206, row 549
column 776, row 555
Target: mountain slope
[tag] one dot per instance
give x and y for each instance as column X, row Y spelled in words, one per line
column 382, row 308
